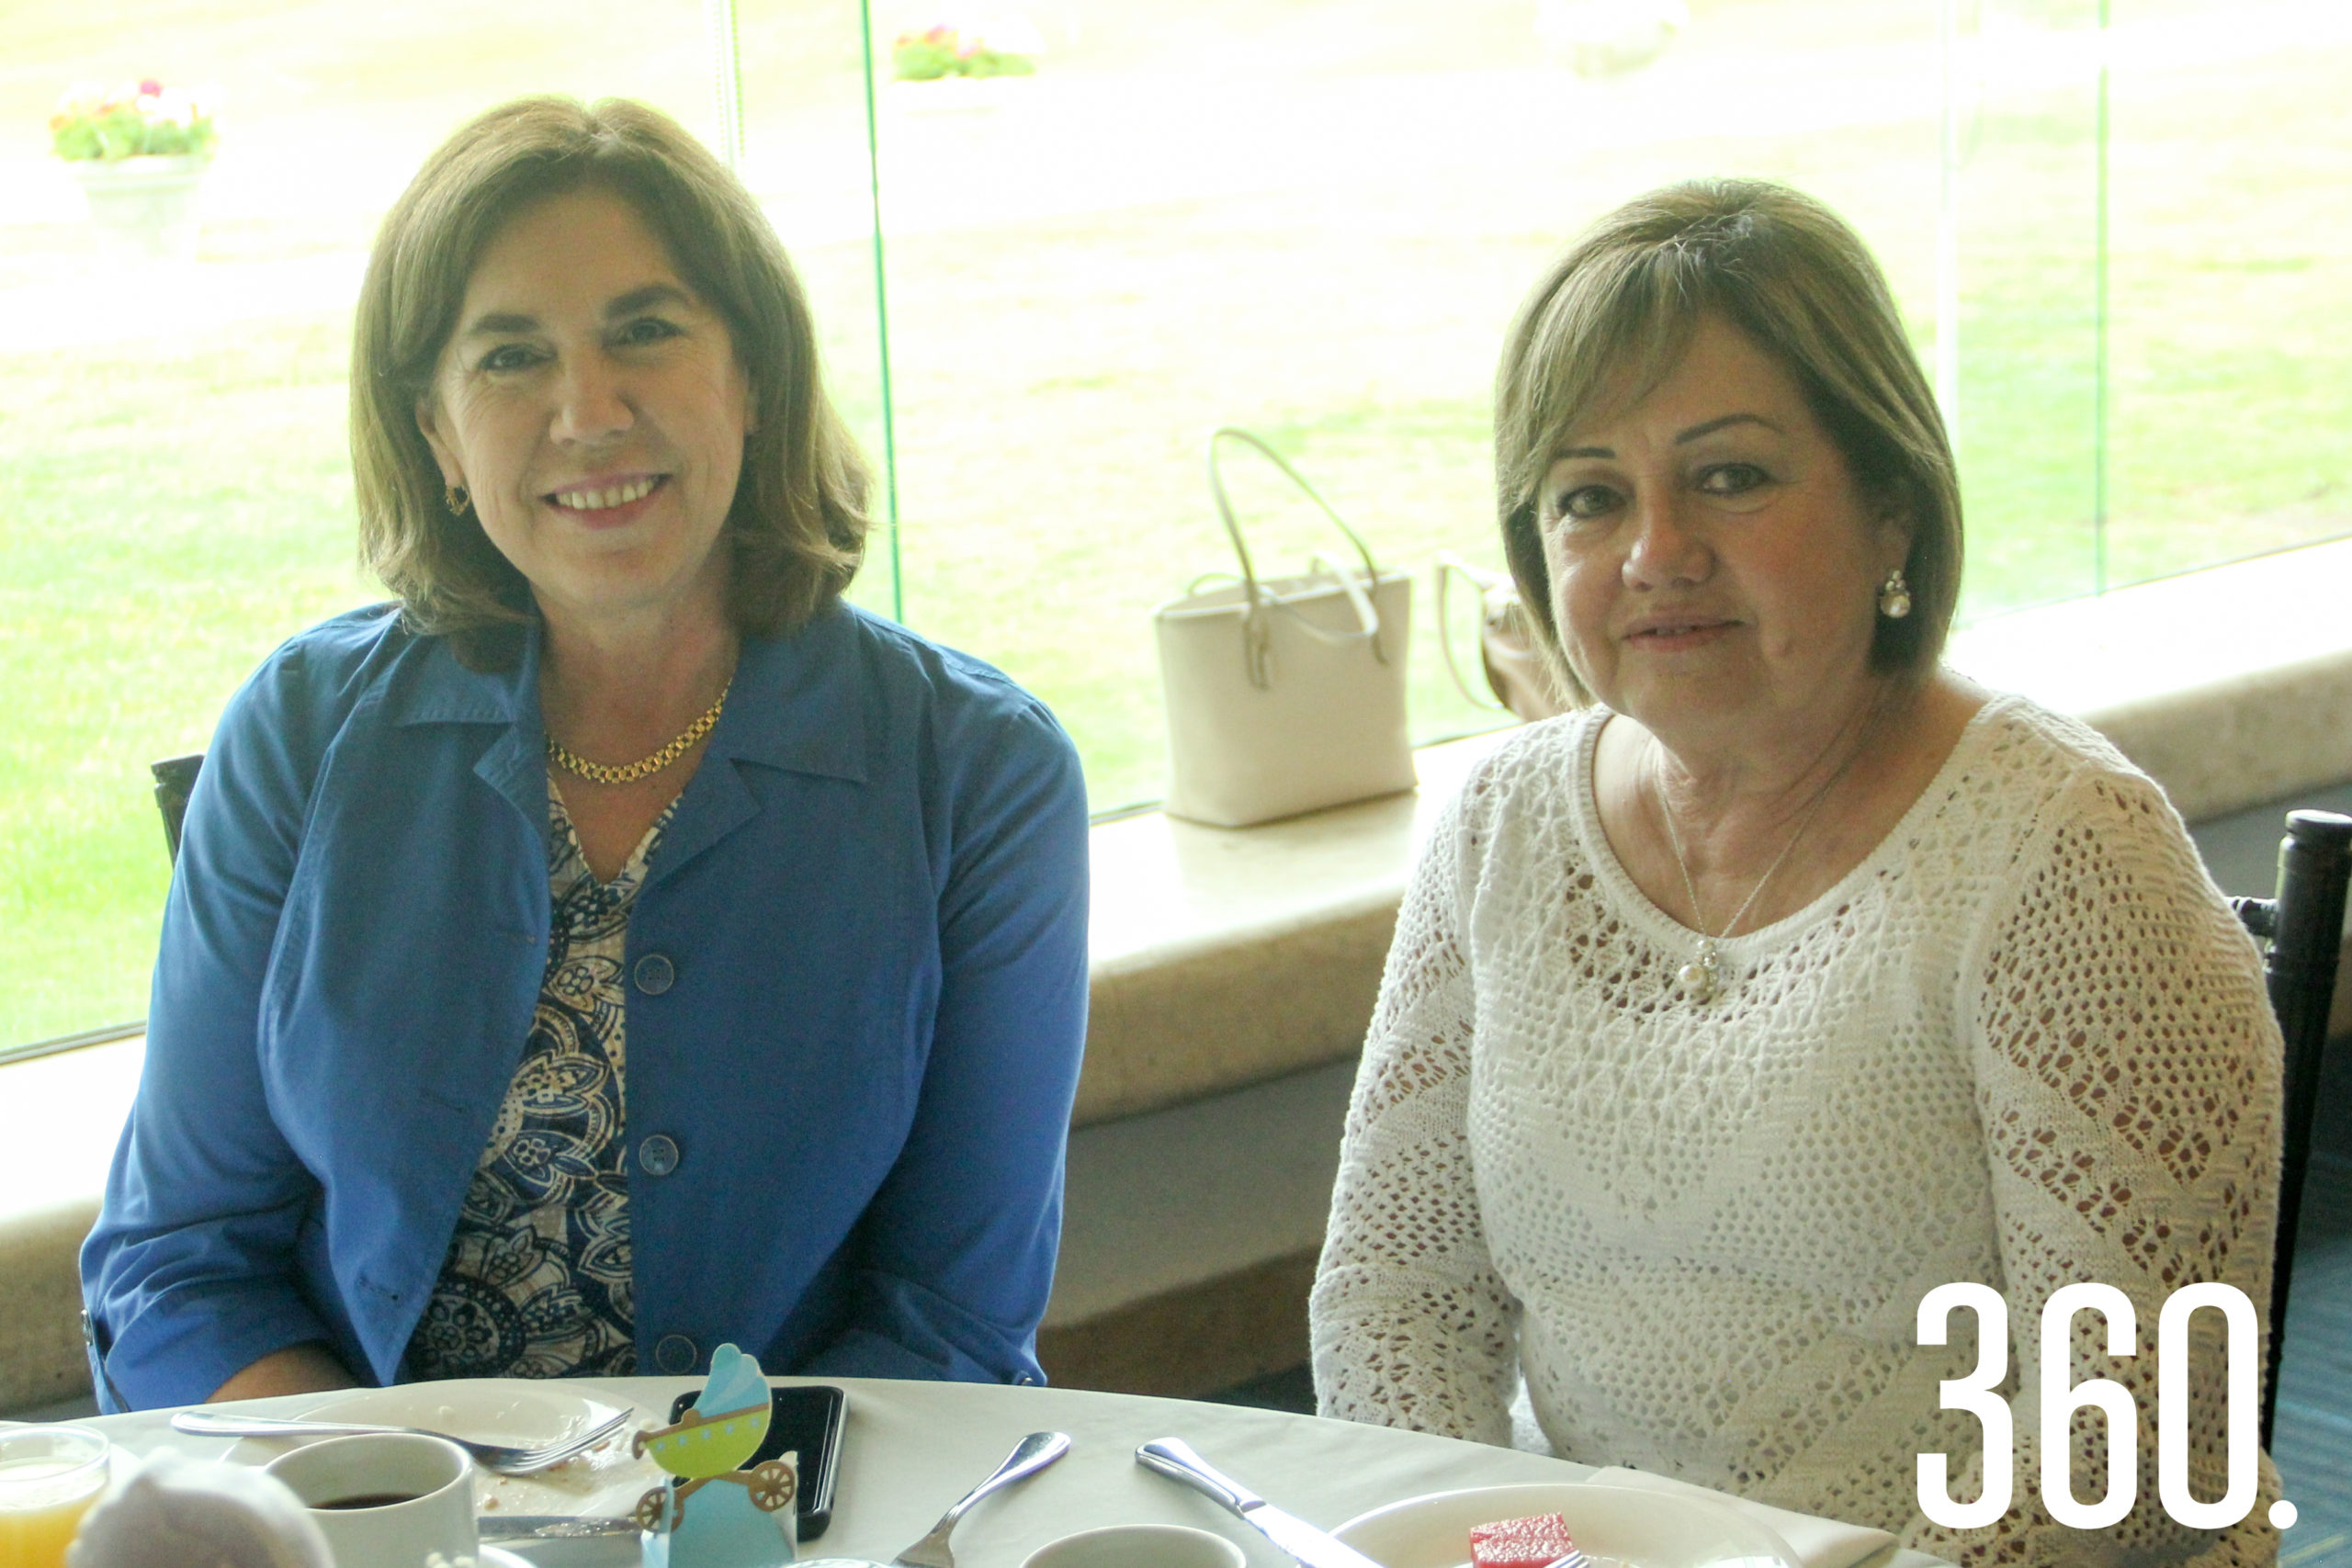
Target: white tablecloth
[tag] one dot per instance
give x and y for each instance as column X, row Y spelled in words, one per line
column 911, row 1448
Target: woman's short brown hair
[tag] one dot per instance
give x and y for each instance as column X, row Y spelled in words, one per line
column 1611, row 317
column 798, row 523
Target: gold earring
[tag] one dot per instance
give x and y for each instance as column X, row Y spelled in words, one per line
column 455, row 498
column 1895, row 596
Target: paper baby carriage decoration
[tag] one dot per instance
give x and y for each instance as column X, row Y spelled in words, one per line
column 711, row 1513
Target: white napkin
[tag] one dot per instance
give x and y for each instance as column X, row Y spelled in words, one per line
column 1818, row 1543
column 178, row 1512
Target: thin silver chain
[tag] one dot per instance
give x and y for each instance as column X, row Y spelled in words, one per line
column 1682, row 865
column 1704, row 959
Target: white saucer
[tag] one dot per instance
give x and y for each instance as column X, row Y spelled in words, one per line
column 1615, row 1524
column 605, row 1480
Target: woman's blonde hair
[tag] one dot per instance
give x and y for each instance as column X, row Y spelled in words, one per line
column 1611, row 317
column 798, row 525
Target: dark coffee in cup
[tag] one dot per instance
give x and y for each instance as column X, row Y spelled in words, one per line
column 385, row 1497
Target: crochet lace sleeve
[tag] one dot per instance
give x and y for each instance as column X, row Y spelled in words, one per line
column 2128, row 1079
column 1411, row 1325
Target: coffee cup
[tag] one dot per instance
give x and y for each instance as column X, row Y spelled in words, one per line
column 1138, row 1546
column 385, row 1499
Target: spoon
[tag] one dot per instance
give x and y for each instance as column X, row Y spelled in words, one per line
column 1035, row 1452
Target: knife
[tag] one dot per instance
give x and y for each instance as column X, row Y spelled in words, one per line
column 552, row 1527
column 1174, row 1458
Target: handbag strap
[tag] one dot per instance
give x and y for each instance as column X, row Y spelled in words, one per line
column 1367, row 614
column 1447, row 564
column 1256, row 595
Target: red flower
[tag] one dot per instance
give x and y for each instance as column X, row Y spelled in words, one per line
column 148, row 87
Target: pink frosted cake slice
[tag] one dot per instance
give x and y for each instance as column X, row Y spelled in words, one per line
column 1520, row 1543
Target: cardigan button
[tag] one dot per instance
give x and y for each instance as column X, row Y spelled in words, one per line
column 655, row 973
column 658, row 1156
column 675, row 1354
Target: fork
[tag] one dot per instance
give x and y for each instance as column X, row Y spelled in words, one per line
column 499, row 1457
column 1036, row 1451
column 1575, row 1559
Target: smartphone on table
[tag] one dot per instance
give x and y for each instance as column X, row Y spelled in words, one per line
column 805, row 1420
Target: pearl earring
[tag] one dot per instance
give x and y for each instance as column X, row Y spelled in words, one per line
column 1895, row 596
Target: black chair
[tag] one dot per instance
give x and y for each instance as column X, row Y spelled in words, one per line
column 175, row 777
column 2304, row 926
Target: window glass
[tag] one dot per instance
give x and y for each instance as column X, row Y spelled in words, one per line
column 1309, row 217
column 174, row 484
column 1313, row 220
column 2144, row 240
column 2229, row 150
column 2022, row 163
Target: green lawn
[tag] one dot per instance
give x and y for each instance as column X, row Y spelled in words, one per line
column 169, row 511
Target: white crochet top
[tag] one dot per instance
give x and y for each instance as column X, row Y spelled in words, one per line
column 2024, row 1043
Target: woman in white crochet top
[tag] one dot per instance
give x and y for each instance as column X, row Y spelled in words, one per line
column 1791, row 975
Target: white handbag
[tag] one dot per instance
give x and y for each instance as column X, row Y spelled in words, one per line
column 1285, row 694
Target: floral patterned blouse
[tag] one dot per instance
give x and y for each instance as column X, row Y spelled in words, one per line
column 536, row 1282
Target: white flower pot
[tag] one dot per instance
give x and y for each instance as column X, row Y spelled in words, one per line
column 143, row 208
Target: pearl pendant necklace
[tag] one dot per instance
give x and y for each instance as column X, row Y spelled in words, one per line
column 1702, row 978
column 1705, row 977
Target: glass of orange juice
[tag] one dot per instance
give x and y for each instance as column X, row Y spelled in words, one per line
column 48, row 1478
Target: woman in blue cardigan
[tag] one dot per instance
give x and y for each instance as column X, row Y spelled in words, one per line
column 619, row 945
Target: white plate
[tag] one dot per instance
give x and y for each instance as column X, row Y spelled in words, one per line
column 1613, row 1525
column 604, row 1480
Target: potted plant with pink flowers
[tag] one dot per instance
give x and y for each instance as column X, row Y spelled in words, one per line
column 138, row 150
column 946, row 49
column 964, row 62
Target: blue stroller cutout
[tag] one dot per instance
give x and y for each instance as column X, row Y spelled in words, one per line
column 712, row 1514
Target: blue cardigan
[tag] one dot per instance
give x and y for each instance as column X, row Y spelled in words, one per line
column 857, row 1004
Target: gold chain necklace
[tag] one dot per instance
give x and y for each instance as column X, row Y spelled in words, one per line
column 571, row 761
